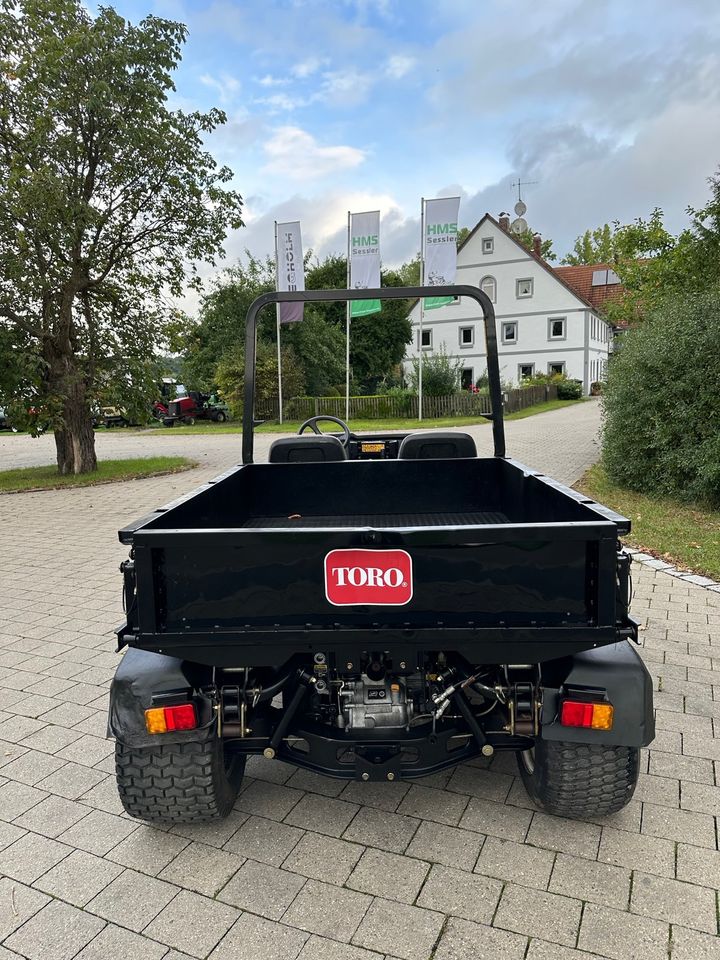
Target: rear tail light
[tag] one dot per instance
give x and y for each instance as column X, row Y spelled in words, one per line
column 167, row 719
column 580, row 713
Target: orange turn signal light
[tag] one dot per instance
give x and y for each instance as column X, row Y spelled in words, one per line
column 166, row 719
column 580, row 713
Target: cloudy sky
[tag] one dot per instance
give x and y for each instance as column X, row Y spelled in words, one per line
column 612, row 107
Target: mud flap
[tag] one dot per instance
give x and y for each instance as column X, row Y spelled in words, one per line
column 614, row 672
column 145, row 679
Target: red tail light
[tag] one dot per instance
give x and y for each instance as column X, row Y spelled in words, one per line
column 166, row 719
column 580, row 713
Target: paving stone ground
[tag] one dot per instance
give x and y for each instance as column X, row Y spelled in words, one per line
column 460, row 867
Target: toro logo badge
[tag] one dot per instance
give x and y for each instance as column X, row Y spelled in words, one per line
column 375, row 578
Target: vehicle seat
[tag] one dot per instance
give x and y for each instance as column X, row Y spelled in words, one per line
column 306, row 449
column 437, row 446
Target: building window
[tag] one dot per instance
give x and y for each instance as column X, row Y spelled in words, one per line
column 525, row 371
column 509, row 331
column 524, row 288
column 466, row 378
column 488, row 245
column 467, row 336
column 557, row 367
column 556, row 328
column 489, row 286
column 427, row 339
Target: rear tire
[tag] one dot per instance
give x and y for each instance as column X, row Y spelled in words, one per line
column 220, row 417
column 178, row 782
column 579, row 780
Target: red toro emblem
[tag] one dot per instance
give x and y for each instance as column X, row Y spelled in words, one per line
column 375, row 578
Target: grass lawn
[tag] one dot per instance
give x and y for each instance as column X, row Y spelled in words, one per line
column 364, row 426
column 108, row 471
column 684, row 534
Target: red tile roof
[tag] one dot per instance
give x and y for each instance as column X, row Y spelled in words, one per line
column 580, row 279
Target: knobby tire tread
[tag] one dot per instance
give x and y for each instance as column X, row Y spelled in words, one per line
column 177, row 782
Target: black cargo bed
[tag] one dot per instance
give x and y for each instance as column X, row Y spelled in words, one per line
column 378, row 520
column 503, row 558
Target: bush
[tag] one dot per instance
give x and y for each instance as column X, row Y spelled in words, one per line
column 569, row 389
column 440, row 374
column 230, row 376
column 662, row 402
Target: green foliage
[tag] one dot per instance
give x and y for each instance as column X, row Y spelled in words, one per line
column 108, row 201
column 526, row 239
column 440, row 374
column 409, row 272
column 221, row 326
column 569, row 389
column 377, row 342
column 662, row 402
column 230, row 376
column 594, row 246
column 320, row 350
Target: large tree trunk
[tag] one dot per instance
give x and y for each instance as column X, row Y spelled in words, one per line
column 74, row 435
column 75, row 441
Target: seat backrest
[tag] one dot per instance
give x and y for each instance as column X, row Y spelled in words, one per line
column 306, row 449
column 437, row 445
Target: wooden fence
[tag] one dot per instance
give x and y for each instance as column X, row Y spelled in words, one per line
column 403, row 407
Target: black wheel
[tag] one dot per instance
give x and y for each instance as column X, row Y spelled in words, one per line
column 178, row 782
column 220, row 416
column 579, row 780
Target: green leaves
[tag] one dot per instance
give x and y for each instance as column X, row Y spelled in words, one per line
column 662, row 404
column 108, row 199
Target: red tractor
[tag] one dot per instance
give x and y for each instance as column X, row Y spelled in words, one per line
column 187, row 406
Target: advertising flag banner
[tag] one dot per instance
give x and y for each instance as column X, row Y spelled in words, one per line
column 290, row 268
column 440, row 246
column 364, row 244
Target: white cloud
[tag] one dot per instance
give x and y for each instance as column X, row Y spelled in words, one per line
column 225, row 85
column 294, row 153
column 281, row 102
column 269, row 80
column 399, row 65
column 305, row 68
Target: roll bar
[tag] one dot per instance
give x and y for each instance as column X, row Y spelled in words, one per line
column 384, row 293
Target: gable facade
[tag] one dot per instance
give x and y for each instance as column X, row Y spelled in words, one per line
column 543, row 326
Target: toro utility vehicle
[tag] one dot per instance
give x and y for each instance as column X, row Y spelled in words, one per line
column 377, row 608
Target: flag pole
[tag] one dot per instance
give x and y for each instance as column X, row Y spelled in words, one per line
column 348, row 311
column 422, row 303
column 277, row 320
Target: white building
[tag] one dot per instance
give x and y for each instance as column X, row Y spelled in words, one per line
column 543, row 324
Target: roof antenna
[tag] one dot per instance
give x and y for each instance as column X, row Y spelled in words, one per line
column 520, row 225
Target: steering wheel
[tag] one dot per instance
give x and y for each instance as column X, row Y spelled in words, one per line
column 312, row 423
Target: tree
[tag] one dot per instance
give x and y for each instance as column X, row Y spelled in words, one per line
column 527, row 239
column 594, row 246
column 377, row 341
column 230, row 376
column 320, row 349
column 107, row 200
column 662, row 404
column 221, row 322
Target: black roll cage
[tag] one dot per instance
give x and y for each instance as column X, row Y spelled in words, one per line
column 383, row 293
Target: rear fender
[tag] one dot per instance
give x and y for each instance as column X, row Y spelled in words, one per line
column 146, row 679
column 615, row 672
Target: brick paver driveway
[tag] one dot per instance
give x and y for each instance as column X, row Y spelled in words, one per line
column 460, row 867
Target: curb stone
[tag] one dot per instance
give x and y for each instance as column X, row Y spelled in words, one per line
column 705, row 582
